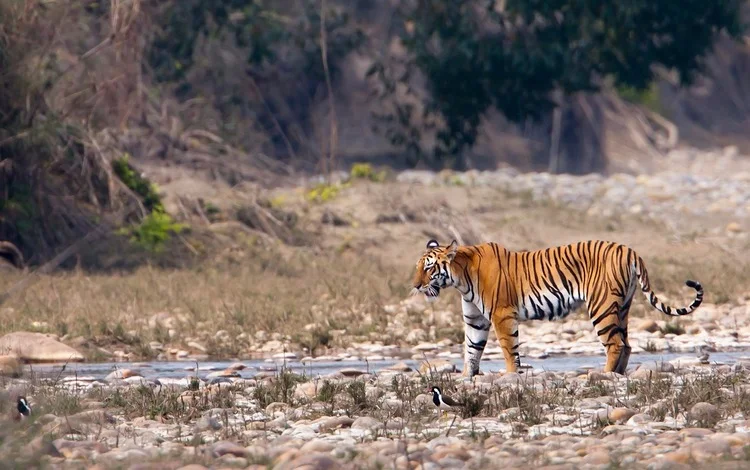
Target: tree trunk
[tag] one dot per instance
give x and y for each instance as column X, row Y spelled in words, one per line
column 572, row 136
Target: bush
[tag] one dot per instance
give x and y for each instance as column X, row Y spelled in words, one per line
column 153, row 232
column 157, row 227
column 365, row 171
column 324, row 192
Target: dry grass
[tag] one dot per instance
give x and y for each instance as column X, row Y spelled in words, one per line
column 725, row 276
column 260, row 290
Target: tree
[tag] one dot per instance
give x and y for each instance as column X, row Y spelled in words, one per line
column 282, row 41
column 515, row 54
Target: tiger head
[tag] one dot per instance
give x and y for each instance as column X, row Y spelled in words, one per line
column 433, row 269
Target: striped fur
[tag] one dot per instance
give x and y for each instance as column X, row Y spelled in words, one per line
column 501, row 287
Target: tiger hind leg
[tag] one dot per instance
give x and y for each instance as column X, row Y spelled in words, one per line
column 610, row 318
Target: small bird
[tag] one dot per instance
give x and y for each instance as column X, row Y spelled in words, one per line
column 24, row 409
column 703, row 353
column 443, row 402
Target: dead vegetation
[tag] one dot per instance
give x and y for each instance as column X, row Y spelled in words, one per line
column 255, row 288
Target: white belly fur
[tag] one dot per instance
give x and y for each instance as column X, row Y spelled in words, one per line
column 553, row 308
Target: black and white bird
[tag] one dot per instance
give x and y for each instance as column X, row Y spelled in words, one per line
column 443, row 402
column 23, row 408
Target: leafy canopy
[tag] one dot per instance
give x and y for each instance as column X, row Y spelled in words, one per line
column 268, row 34
column 281, row 40
column 474, row 55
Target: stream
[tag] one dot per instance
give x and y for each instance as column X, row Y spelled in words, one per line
column 184, row 368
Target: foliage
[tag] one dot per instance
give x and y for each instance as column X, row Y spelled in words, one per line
column 282, row 47
column 169, row 405
column 137, row 183
column 280, row 389
column 647, row 97
column 155, row 229
column 474, row 55
column 357, row 391
column 324, row 192
column 366, row 171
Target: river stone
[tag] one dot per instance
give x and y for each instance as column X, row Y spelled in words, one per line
column 709, row 449
column 664, row 464
column 509, row 378
column 351, row 372
column 659, row 366
column 231, row 461
column 120, row 374
column 452, row 452
column 336, row 422
column 316, row 445
column 366, row 423
column 400, row 367
column 621, row 414
column 223, row 374
column 598, row 457
column 311, row 461
column 207, row 423
column 10, row 366
column 303, row 432
column 705, row 413
column 38, row 347
column 276, row 406
column 41, row 445
column 64, row 446
column 305, row 390
column 439, row 366
column 228, row 448
column 644, row 374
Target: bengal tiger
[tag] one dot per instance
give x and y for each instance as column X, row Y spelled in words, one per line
column 500, row 287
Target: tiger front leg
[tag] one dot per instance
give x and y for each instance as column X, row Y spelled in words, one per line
column 505, row 321
column 477, row 330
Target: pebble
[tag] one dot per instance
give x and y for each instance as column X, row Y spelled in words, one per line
column 705, row 413
column 221, row 448
column 366, row 423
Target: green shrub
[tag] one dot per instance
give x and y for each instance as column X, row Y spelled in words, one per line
column 138, row 184
column 324, row 192
column 648, row 97
column 366, row 171
column 153, row 231
column 156, row 228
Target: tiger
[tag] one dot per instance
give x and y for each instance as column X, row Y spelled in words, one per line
column 501, row 288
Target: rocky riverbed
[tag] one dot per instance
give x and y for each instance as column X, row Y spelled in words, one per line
column 699, row 184
column 663, row 415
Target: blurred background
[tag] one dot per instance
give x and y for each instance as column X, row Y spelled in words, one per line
column 245, row 146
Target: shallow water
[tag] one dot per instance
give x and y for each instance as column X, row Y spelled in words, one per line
column 181, row 369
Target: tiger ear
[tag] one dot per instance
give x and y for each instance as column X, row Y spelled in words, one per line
column 450, row 251
column 432, row 244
